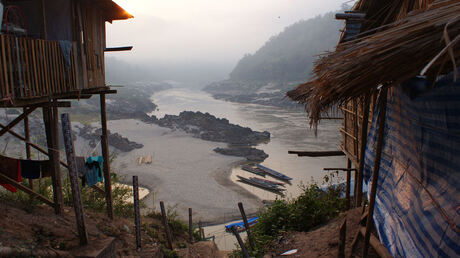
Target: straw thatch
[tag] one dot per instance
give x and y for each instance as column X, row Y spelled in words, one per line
column 391, row 55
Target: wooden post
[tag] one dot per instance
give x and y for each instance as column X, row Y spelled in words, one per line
column 375, row 174
column 105, row 155
column 246, row 225
column 70, row 153
column 137, row 216
column 240, row 242
column 27, row 139
column 51, row 124
column 190, row 225
column 363, row 143
column 200, row 230
column 342, row 238
column 347, row 193
column 166, row 225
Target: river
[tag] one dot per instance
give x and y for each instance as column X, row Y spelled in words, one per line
column 289, row 131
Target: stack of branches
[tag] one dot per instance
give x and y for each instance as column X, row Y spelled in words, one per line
column 389, row 57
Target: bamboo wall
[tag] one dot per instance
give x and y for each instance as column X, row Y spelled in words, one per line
column 33, row 68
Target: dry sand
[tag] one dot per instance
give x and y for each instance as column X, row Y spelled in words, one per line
column 185, row 171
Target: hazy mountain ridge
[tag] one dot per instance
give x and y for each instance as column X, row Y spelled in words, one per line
column 283, row 62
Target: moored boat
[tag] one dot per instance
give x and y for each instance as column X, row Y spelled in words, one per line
column 274, row 173
column 267, row 181
column 254, row 170
column 264, row 186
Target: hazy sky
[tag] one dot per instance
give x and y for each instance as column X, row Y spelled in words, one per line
column 220, row 31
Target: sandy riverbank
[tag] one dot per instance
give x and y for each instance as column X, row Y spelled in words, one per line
column 185, row 171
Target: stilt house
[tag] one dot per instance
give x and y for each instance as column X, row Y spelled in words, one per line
column 52, row 51
column 395, row 76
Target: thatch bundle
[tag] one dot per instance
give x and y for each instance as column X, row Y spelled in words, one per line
column 389, row 57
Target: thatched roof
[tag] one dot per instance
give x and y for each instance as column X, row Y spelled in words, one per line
column 395, row 46
column 112, row 11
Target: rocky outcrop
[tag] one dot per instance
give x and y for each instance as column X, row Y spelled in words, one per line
column 207, row 127
column 251, row 154
column 115, row 140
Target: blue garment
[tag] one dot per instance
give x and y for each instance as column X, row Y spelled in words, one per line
column 93, row 167
column 66, row 46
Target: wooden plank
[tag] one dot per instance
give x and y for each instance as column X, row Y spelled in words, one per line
column 117, row 49
column 347, row 188
column 375, row 243
column 363, row 143
column 340, row 169
column 317, row 153
column 5, row 84
column 28, row 66
column 375, row 174
column 137, row 215
column 166, row 225
column 26, row 190
column 190, row 225
column 16, row 121
column 10, row 64
column 70, row 153
column 105, row 155
column 342, row 238
column 240, row 242
column 246, row 225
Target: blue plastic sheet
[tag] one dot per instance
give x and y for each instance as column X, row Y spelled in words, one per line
column 417, row 204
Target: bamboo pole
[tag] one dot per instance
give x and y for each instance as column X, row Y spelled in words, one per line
column 375, row 174
column 347, row 193
column 27, row 138
column 363, row 143
column 70, row 153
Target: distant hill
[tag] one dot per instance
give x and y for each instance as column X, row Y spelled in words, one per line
column 289, row 55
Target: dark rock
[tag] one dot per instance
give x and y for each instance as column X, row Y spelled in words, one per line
column 207, row 127
column 115, row 140
column 251, row 154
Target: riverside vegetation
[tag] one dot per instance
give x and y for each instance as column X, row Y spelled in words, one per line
column 312, row 208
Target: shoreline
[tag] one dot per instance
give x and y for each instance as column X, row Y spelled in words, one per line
column 185, row 173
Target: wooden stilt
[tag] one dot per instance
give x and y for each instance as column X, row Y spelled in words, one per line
column 363, row 143
column 51, row 124
column 27, row 138
column 70, row 153
column 17, row 120
column 105, row 155
column 375, row 174
column 347, row 193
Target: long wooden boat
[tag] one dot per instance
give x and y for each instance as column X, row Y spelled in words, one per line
column 267, row 181
column 265, row 186
column 240, row 225
column 254, row 170
column 274, row 173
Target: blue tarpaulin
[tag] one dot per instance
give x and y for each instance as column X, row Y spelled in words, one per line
column 418, row 202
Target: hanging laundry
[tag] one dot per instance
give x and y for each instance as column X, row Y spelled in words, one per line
column 45, row 168
column 94, row 170
column 30, row 168
column 12, row 169
column 81, row 169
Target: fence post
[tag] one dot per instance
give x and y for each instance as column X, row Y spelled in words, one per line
column 246, row 225
column 70, row 153
column 190, row 225
column 137, row 217
column 240, row 242
column 166, row 225
column 342, row 238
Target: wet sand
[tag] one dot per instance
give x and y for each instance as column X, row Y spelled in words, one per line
column 185, row 171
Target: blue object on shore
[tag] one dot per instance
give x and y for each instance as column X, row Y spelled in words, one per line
column 240, row 225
